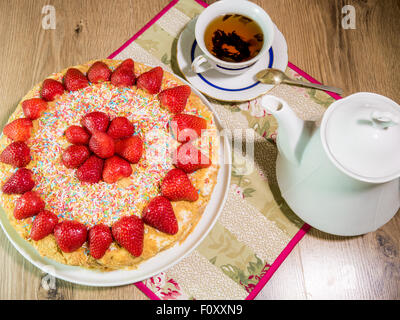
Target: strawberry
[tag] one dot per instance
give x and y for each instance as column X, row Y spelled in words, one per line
column 123, row 78
column 99, row 72
column 91, row 170
column 28, row 205
column 186, row 127
column 116, row 168
column 160, row 215
column 43, row 225
column 51, row 89
column 188, row 158
column 70, row 235
column 123, row 75
column 129, row 233
column 120, row 128
column 75, row 156
column 100, row 239
column 131, row 148
column 33, row 108
column 77, row 135
column 127, row 64
column 19, row 130
column 16, row 154
column 74, row 80
column 176, row 186
column 150, row 81
column 20, row 182
column 102, row 145
column 95, row 121
column 175, row 98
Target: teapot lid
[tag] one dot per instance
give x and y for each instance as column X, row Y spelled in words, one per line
column 361, row 135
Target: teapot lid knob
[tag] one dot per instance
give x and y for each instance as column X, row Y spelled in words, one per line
column 361, row 136
column 384, row 120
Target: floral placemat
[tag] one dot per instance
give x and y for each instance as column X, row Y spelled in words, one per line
column 256, row 230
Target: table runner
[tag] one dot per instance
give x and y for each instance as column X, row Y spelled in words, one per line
column 256, row 230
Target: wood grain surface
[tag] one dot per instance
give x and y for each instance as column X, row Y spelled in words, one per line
column 322, row 266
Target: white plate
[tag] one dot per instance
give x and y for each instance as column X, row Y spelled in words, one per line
column 225, row 87
column 153, row 266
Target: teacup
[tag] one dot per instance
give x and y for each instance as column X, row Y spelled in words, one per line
column 207, row 60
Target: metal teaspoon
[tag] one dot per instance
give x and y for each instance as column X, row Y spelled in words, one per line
column 275, row 76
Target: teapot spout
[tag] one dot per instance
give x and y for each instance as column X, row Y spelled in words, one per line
column 293, row 132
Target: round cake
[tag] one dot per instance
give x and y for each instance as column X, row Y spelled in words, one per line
column 105, row 164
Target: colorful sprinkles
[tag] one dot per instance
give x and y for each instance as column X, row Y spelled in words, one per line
column 101, row 202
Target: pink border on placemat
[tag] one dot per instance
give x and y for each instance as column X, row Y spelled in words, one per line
column 278, row 261
column 147, row 25
column 142, row 287
column 298, row 236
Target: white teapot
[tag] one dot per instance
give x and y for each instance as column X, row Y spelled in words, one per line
column 343, row 177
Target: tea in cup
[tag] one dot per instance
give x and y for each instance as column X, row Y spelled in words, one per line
column 233, row 38
column 232, row 35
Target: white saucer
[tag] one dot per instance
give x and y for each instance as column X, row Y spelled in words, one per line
column 224, row 87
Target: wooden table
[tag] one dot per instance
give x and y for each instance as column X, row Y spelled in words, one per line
column 362, row 59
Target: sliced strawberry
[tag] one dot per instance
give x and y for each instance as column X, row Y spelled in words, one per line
column 176, row 186
column 99, row 72
column 51, row 89
column 77, row 135
column 75, row 156
column 120, row 128
column 70, row 235
column 175, row 99
column 20, row 182
column 160, row 215
column 186, row 127
column 100, row 239
column 116, row 168
column 123, row 75
column 91, row 170
column 150, row 81
column 19, row 129
column 74, row 80
column 28, row 205
column 33, row 108
column 102, row 145
column 130, row 149
column 96, row 121
column 43, row 225
column 16, row 154
column 188, row 158
column 129, row 233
